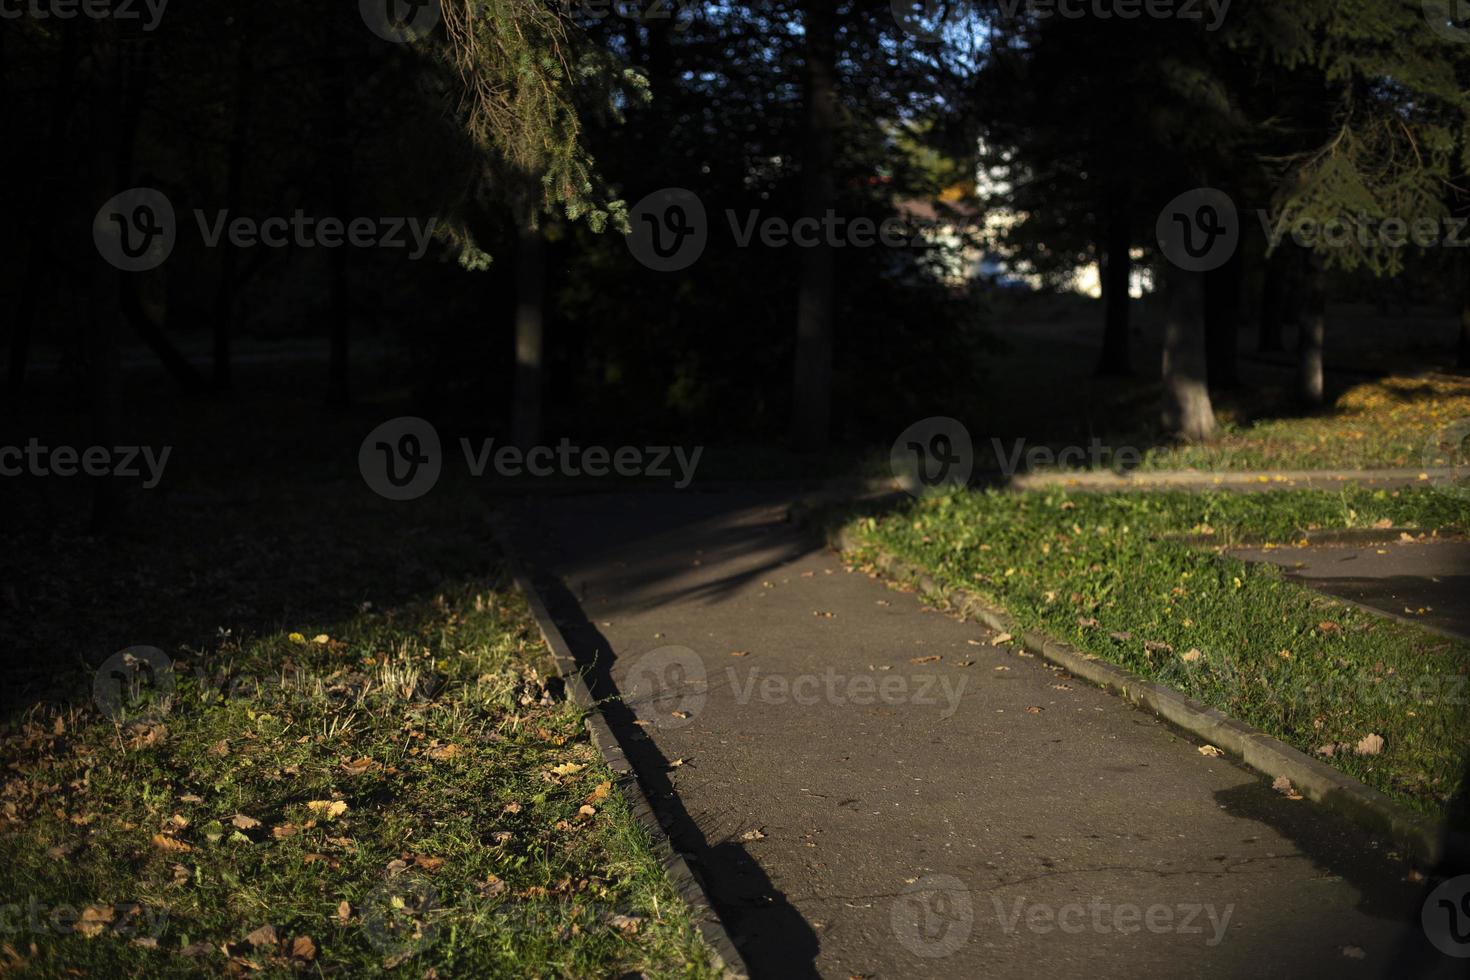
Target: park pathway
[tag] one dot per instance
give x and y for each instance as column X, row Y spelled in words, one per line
column 873, row 789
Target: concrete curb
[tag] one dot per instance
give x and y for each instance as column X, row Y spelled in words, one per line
column 1418, row 837
column 723, row 955
column 1225, row 480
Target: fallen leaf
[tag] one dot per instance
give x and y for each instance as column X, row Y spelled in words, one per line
column 331, row 809
column 302, row 948
column 932, row 659
column 1002, row 639
column 285, row 830
column 681, row 714
column 321, row 639
column 441, row 752
column 1370, row 745
column 739, row 653
column 244, row 822
column 585, row 812
column 1283, row 786
column 1190, row 656
column 567, row 768
column 627, row 924
column 344, row 911
column 1033, row 709
column 357, row 766
column 264, row 936
column 166, row 843
column 1210, row 752
column 754, row 833
column 676, row 763
column 600, row 793
column 94, row 920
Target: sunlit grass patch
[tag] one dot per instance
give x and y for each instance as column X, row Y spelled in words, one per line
column 406, row 789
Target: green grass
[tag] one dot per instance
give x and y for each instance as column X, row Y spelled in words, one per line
column 478, row 832
column 1384, row 424
column 1110, row 575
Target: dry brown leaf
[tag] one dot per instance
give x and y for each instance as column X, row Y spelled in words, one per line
column 1002, row 639
column 627, row 924
column 441, row 752
column 243, row 822
column 1034, row 709
column 931, row 659
column 739, row 653
column 1283, row 786
column 1370, row 744
column 585, row 812
column 357, row 766
column 166, row 843
column 302, row 948
column 285, row 830
column 94, row 920
column 681, row 714
column 344, row 911
column 567, row 768
column 1190, row 656
column 264, row 936
column 1210, row 752
column 599, row 793
column 754, row 833
column 331, row 809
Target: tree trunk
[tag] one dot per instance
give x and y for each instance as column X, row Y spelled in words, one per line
column 812, row 375
column 1222, row 323
column 62, row 102
column 1311, row 386
column 224, row 297
column 1274, row 302
column 525, row 420
column 105, row 161
column 338, row 391
column 1188, row 412
column 1464, row 360
column 1116, row 284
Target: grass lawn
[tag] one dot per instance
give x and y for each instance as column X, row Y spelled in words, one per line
column 364, row 764
column 1381, row 424
column 1110, row 575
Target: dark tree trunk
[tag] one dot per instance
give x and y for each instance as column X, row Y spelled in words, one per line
column 104, row 162
column 190, row 381
column 1222, row 323
column 1464, row 359
column 338, row 390
column 62, row 102
column 1188, row 412
column 812, row 374
column 1274, row 305
column 525, row 420
column 1311, row 382
column 1117, row 273
column 224, row 297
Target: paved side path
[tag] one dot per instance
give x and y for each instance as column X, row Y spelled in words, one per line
column 858, row 807
column 1422, row 581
